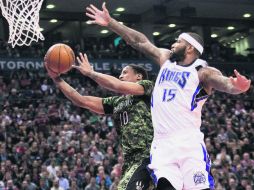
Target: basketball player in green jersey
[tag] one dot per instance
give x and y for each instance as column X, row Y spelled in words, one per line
column 131, row 113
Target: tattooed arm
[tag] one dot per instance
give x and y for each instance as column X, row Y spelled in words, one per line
column 134, row 38
column 212, row 78
column 139, row 42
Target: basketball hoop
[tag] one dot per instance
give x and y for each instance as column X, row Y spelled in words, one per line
column 23, row 19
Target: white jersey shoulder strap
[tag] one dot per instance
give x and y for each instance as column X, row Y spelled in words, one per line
column 199, row 63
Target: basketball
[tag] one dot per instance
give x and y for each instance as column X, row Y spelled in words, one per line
column 60, row 58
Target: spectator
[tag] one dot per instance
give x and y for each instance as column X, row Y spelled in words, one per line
column 247, row 162
column 232, row 184
column 92, row 185
column 10, row 185
column 97, row 155
column 30, row 184
column 222, row 157
column 63, row 182
column 103, row 179
column 56, row 185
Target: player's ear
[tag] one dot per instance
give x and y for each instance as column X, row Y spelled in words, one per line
column 139, row 77
column 190, row 48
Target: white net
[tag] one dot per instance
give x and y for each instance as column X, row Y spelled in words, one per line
column 23, row 19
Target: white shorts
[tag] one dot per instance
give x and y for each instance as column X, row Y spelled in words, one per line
column 184, row 162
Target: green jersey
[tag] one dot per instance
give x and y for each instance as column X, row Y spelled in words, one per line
column 133, row 121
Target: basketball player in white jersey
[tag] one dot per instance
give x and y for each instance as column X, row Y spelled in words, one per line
column 179, row 159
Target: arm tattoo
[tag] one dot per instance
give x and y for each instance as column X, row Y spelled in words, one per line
column 214, row 79
column 134, row 38
column 224, row 84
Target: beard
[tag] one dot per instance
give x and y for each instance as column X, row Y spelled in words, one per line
column 178, row 55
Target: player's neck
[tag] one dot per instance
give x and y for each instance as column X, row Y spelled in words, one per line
column 187, row 61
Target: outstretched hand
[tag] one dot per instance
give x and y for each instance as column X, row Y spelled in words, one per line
column 240, row 82
column 84, row 66
column 98, row 17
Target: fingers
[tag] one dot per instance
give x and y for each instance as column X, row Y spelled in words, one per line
column 79, row 61
column 91, row 15
column 94, row 8
column 89, row 9
column 51, row 73
column 104, row 7
column 239, row 76
column 236, row 73
column 75, row 67
column 82, row 58
column 85, row 57
column 249, row 82
column 91, row 22
column 240, row 82
column 246, row 86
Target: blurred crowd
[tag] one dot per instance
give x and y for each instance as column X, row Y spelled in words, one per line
column 95, row 48
column 47, row 143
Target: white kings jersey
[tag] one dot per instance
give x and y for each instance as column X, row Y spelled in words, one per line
column 177, row 99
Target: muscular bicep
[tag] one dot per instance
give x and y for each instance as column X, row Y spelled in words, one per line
column 92, row 103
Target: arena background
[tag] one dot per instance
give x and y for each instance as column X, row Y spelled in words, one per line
column 42, row 135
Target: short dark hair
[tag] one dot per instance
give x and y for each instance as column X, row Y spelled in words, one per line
column 199, row 40
column 139, row 70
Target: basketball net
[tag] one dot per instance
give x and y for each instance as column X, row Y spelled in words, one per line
column 23, row 19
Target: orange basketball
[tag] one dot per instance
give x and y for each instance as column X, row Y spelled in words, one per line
column 59, row 58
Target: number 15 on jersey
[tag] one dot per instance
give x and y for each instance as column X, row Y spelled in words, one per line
column 168, row 94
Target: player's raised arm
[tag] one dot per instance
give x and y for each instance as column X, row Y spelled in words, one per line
column 134, row 38
column 213, row 78
column 107, row 81
column 89, row 102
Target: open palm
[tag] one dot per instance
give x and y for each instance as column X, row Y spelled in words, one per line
column 98, row 17
column 84, row 66
column 240, row 82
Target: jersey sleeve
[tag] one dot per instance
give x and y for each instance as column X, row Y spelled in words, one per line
column 108, row 104
column 148, row 86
